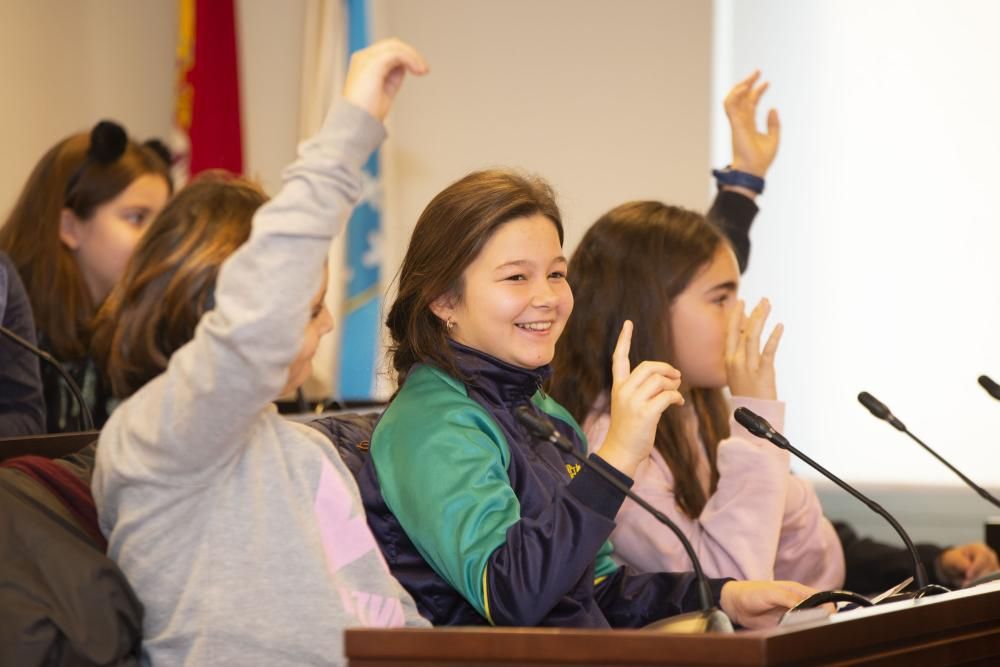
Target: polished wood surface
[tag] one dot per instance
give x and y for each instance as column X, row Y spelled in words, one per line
column 50, row 446
column 960, row 628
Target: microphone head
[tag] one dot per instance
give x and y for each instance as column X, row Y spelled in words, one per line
column 760, row 427
column 536, row 425
column 875, row 406
column 991, row 387
column 879, row 410
column 754, row 423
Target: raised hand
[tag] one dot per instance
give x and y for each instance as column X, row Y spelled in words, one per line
column 376, row 74
column 638, row 398
column 749, row 369
column 753, row 151
column 760, row 604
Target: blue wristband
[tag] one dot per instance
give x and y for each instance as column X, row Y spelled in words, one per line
column 741, row 179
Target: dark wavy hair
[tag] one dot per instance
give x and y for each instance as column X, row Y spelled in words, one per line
column 631, row 265
column 169, row 281
column 449, row 235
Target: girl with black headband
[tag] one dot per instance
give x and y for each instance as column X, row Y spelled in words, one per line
column 70, row 233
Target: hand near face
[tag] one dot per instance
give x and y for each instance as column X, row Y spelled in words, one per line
column 750, row 369
column 376, row 73
column 753, row 151
column 638, row 398
column 963, row 564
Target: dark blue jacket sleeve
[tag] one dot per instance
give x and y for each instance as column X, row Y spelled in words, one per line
column 545, row 558
column 632, row 600
column 734, row 213
column 22, row 408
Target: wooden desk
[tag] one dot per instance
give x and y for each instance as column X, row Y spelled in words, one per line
column 50, row 446
column 960, row 628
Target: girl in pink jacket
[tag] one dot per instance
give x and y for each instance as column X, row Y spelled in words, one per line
column 675, row 275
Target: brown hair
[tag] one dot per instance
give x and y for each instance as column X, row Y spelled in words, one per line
column 448, row 237
column 169, row 281
column 632, row 264
column 66, row 178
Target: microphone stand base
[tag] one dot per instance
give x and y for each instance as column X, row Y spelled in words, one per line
column 695, row 622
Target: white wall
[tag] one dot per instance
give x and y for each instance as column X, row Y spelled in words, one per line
column 608, row 101
column 270, row 37
column 879, row 234
column 65, row 65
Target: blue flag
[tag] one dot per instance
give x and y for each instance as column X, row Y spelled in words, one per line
column 359, row 341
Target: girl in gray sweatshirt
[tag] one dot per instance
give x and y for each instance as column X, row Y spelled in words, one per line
column 243, row 533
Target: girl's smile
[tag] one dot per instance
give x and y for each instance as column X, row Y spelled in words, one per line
column 515, row 300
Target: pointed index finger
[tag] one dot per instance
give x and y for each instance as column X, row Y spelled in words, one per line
column 620, row 366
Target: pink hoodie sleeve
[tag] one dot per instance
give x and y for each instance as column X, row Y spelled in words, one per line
column 741, row 529
column 809, row 550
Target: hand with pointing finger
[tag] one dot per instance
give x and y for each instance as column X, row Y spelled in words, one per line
column 638, row 398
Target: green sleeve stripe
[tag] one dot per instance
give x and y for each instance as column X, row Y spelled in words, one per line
column 604, row 565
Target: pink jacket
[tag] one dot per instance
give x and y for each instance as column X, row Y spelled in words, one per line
column 762, row 522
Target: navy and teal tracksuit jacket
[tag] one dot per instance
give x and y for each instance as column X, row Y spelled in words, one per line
column 482, row 524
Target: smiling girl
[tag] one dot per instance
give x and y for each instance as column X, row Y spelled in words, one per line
column 481, row 523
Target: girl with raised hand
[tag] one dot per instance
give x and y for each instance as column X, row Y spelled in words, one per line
column 480, row 521
column 73, row 228
column 732, row 494
column 243, row 533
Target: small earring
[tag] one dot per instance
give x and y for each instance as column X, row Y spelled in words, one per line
column 450, row 324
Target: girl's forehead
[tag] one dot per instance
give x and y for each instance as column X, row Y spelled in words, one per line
column 526, row 239
column 721, row 270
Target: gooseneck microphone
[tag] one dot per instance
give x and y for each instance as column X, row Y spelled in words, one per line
column 879, row 409
column 991, row 387
column 759, row 426
column 710, row 618
column 87, row 420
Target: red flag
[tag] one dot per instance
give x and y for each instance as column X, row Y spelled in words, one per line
column 208, row 91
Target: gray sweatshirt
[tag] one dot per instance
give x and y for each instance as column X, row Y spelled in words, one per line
column 243, row 533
